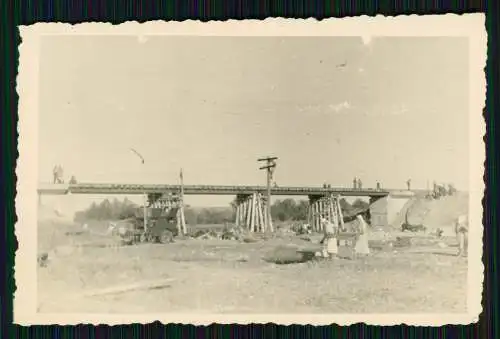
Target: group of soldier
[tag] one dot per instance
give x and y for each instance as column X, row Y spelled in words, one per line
column 357, row 184
column 331, row 232
column 331, row 242
column 442, row 190
column 58, row 175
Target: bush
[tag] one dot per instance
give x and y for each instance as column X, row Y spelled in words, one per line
column 107, row 210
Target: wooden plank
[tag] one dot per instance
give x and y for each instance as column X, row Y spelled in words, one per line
column 143, row 285
column 249, row 213
column 252, row 213
column 341, row 217
column 260, row 215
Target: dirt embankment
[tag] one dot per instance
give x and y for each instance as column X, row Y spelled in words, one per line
column 438, row 213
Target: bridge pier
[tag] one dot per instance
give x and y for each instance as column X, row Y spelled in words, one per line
column 324, row 206
column 388, row 211
column 168, row 201
column 251, row 212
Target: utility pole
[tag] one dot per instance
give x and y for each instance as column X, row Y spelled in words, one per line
column 144, row 196
column 181, row 221
column 269, row 167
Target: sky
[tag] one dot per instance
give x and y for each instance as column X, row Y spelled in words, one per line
column 330, row 108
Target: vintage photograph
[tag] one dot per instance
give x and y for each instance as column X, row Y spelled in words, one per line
column 249, row 174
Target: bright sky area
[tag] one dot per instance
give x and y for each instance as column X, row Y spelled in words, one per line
column 331, row 108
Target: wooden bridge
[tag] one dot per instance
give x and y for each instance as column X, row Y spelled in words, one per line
column 251, row 208
column 103, row 188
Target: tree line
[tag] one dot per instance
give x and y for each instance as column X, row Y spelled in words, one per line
column 281, row 210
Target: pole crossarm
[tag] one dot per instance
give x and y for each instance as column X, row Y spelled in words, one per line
column 269, row 167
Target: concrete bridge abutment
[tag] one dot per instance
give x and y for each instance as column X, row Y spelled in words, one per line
column 384, row 211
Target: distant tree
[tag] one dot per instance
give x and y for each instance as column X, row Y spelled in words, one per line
column 451, row 189
column 289, row 210
column 190, row 215
column 107, row 210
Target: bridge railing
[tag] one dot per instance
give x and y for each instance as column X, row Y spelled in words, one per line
column 203, row 189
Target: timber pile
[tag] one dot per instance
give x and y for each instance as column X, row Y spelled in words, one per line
column 328, row 207
column 207, row 235
column 251, row 213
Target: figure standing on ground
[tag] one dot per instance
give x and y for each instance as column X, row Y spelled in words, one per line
column 360, row 184
column 330, row 248
column 462, row 232
column 408, row 184
column 355, row 183
column 378, row 186
column 362, row 243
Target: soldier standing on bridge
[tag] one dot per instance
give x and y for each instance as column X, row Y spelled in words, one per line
column 408, row 183
column 54, row 174
column 354, row 183
column 58, row 174
column 360, row 184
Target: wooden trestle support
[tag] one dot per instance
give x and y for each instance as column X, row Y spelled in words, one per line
column 251, row 213
column 327, row 207
column 168, row 201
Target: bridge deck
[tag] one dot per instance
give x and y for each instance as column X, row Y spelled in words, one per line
column 92, row 188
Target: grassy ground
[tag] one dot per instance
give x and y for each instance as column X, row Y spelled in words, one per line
column 232, row 277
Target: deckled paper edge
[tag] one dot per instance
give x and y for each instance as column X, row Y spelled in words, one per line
column 468, row 25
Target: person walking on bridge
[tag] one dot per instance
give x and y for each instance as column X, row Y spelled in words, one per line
column 58, row 174
column 55, row 174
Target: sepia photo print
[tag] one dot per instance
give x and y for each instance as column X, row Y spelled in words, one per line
column 252, row 171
